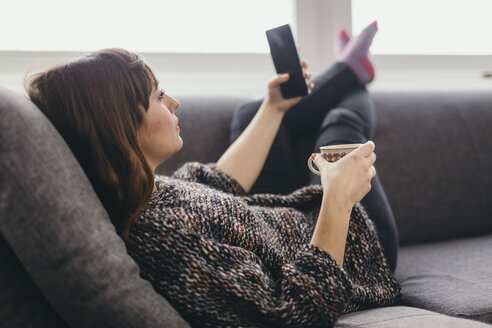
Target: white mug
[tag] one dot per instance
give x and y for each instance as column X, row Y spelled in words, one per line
column 333, row 153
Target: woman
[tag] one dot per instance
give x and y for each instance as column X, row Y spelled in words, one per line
column 221, row 253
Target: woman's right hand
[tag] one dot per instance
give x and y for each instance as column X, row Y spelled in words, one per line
column 348, row 180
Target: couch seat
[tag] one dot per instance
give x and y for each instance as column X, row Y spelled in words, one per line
column 452, row 277
column 403, row 317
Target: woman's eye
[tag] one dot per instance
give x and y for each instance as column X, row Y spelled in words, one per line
column 161, row 94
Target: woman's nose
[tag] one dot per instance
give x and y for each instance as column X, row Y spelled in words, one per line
column 174, row 103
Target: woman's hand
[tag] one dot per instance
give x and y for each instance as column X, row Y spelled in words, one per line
column 245, row 158
column 275, row 99
column 345, row 183
column 348, row 180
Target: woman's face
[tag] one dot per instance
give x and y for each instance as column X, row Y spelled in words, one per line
column 158, row 134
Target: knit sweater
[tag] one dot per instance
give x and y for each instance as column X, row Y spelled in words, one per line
column 223, row 257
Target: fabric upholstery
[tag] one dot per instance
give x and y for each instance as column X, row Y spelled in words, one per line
column 434, row 155
column 403, row 317
column 57, row 228
column 21, row 302
column 452, row 277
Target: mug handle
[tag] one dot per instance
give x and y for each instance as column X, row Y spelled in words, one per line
column 311, row 167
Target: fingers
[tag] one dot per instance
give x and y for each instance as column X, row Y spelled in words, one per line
column 372, row 171
column 372, row 174
column 318, row 159
column 366, row 149
column 304, row 65
column 372, row 158
column 281, row 78
column 278, row 79
column 292, row 101
column 306, row 75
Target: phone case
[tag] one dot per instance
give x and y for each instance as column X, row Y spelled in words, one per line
column 286, row 60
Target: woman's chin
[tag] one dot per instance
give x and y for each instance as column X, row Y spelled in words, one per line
column 179, row 146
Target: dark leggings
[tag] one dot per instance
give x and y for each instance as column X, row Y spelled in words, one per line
column 339, row 108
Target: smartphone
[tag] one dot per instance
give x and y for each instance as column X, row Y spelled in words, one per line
column 286, row 60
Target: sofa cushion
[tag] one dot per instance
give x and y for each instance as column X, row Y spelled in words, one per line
column 453, row 277
column 21, row 302
column 403, row 317
column 434, row 160
column 58, row 229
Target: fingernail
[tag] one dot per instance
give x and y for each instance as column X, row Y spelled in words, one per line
column 313, row 156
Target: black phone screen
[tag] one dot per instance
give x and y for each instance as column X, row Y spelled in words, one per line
column 286, row 60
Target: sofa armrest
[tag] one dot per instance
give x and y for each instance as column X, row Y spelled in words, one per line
column 55, row 224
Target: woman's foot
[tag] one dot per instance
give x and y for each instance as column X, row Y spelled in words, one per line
column 355, row 53
column 341, row 40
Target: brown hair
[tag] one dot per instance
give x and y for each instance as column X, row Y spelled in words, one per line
column 97, row 103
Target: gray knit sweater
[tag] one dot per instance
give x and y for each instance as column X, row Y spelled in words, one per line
column 222, row 257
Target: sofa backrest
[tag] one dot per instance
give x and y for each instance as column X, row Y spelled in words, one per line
column 61, row 261
column 435, row 161
column 434, row 156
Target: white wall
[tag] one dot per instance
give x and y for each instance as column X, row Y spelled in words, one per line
column 179, row 74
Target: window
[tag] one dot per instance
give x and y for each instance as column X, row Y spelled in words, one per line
column 219, row 46
column 170, row 26
column 427, row 27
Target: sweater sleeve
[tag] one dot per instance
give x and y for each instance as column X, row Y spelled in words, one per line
column 214, row 284
column 209, row 174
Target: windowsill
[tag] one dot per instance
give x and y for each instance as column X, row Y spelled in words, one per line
column 248, row 74
column 402, row 72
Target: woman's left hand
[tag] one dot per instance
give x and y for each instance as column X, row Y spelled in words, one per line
column 275, row 98
column 246, row 156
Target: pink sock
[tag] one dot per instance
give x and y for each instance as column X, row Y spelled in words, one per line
column 341, row 40
column 356, row 54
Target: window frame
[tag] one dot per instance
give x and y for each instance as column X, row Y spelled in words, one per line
column 248, row 74
column 316, row 18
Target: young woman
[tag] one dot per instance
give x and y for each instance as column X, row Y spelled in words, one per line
column 239, row 242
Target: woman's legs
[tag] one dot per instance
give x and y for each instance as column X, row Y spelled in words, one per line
column 279, row 174
column 329, row 89
column 352, row 122
column 352, row 69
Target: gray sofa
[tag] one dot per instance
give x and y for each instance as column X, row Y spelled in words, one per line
column 62, row 264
